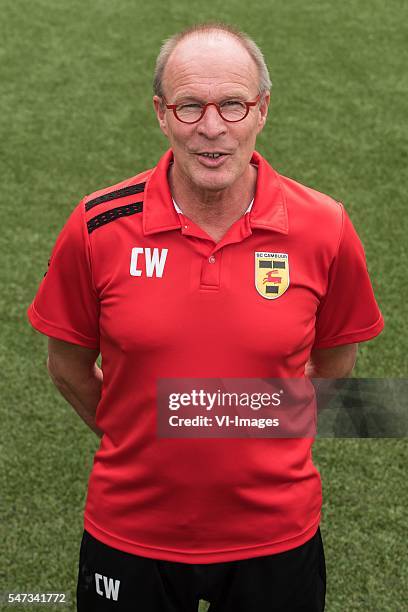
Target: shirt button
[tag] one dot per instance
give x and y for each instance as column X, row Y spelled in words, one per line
column 211, row 259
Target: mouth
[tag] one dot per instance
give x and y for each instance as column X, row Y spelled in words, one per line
column 212, row 159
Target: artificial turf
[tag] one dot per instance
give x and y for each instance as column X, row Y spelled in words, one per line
column 76, row 116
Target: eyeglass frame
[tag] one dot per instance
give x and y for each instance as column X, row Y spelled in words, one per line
column 217, row 106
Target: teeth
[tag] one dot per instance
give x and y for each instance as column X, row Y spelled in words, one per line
column 212, row 155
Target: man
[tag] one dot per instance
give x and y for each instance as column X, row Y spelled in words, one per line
column 161, row 275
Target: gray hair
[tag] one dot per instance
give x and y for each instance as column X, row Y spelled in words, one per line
column 171, row 43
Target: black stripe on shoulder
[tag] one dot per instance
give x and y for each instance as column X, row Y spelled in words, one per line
column 119, row 193
column 113, row 214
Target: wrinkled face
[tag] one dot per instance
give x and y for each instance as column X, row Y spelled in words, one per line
column 211, row 68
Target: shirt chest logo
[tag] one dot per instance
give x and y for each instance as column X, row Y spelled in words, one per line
column 271, row 274
column 147, row 262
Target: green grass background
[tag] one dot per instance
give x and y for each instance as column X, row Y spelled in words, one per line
column 76, row 115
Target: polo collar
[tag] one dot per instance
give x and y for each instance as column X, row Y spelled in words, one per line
column 178, row 209
column 268, row 211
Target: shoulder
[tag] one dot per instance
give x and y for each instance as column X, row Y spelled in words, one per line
column 109, row 203
column 308, row 199
column 311, row 211
column 128, row 187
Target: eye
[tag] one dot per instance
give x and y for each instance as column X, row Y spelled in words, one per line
column 233, row 104
column 190, row 106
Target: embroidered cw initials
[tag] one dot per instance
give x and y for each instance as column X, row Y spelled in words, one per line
column 111, row 587
column 154, row 262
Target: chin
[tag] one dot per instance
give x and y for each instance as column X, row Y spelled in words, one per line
column 212, row 182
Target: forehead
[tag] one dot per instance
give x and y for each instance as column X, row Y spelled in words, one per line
column 210, row 65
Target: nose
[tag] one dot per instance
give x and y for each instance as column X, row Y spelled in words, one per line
column 212, row 124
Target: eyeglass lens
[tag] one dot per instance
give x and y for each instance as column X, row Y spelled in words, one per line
column 231, row 110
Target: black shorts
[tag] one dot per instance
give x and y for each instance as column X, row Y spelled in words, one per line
column 292, row 581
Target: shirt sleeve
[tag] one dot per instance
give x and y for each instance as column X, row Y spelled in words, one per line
column 348, row 312
column 66, row 305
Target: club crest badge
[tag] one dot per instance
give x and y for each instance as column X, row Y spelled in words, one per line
column 271, row 274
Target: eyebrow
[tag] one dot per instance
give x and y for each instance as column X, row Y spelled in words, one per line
column 188, row 97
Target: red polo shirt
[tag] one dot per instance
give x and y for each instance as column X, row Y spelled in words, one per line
column 132, row 276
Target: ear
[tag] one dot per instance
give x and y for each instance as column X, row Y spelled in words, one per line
column 263, row 110
column 160, row 113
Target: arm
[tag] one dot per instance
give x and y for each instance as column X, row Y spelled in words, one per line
column 330, row 363
column 336, row 362
column 73, row 370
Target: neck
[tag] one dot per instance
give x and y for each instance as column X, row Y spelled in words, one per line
column 218, row 209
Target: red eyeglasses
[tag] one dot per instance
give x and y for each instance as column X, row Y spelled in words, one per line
column 230, row 110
